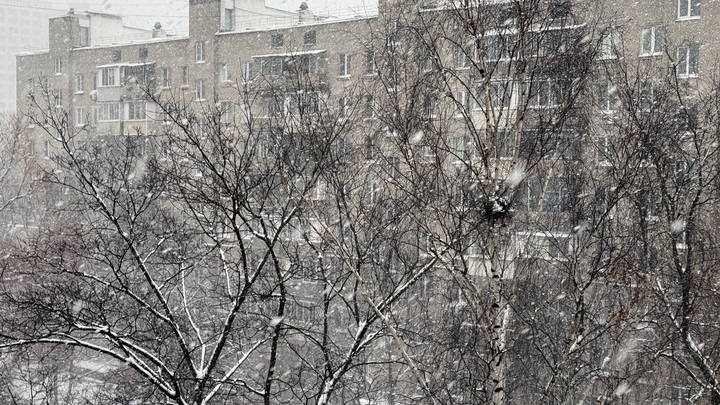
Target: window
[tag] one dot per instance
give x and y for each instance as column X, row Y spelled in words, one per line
column 277, row 41
column 136, row 110
column 606, row 153
column 370, row 193
column 310, row 64
column 200, row 51
column 465, row 193
column 393, row 168
column 369, row 110
column 58, row 65
column 46, row 148
column 502, row 143
column 310, row 38
column 649, row 202
column 108, row 112
column 370, row 149
column 501, row 94
column 229, row 19
column 462, row 57
column 200, row 89
column 607, row 98
column 108, row 76
column 462, row 148
column 275, row 106
column 557, row 197
column 343, row 107
column 394, row 32
column 500, row 47
column 201, row 128
column 609, row 44
column 308, row 103
column 58, row 98
column 559, row 9
column 138, row 74
column 185, row 76
column 370, row 65
column 272, row 65
column 546, row 93
column 344, row 150
column 688, row 9
column 84, row 36
column 79, row 83
column 225, row 112
column 462, row 102
column 653, row 41
column 686, row 120
column 80, row 118
column 117, row 56
column 165, row 77
column 430, row 106
column 344, row 70
column 247, row 72
column 687, row 60
column 548, row 246
column 429, row 62
column 646, row 95
column 224, row 73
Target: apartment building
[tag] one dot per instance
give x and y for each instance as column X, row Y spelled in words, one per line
column 468, row 168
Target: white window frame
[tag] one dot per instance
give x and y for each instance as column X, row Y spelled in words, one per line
column 502, row 94
column 462, row 149
column 108, row 112
column 345, row 65
column 201, row 128
column 109, row 77
column 84, row 36
column 462, row 102
column 225, row 108
column 371, row 63
column 685, row 66
column 79, row 83
column 607, row 98
column 58, row 96
column 463, row 57
column 80, row 117
column 224, row 73
column 343, row 107
column 229, row 22
column 200, row 89
column 200, row 52
column 500, row 46
column 369, row 107
column 166, row 82
column 136, row 110
column 646, row 95
column 609, row 44
column 688, row 9
column 652, row 41
column 545, row 95
column 393, row 167
column 58, row 65
column 186, row 76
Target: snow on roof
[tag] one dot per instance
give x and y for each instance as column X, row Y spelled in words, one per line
column 289, row 54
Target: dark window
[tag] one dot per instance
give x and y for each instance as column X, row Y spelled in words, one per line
column 310, row 38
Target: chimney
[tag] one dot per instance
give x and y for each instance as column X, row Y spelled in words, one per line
column 305, row 15
column 158, row 32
